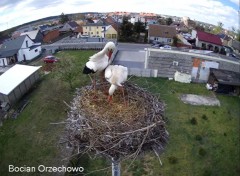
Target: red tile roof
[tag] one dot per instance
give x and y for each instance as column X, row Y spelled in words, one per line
column 210, row 38
column 165, row 31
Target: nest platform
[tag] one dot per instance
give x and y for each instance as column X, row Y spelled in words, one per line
column 114, row 129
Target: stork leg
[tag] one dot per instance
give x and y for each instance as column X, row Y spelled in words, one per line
column 125, row 102
column 93, row 84
column 110, row 99
column 102, row 78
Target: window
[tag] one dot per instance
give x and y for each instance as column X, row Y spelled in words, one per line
column 26, row 44
column 204, row 46
column 169, row 40
column 97, row 32
column 36, row 50
column 86, row 27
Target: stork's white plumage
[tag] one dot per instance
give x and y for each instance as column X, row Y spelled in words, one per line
column 99, row 61
column 116, row 75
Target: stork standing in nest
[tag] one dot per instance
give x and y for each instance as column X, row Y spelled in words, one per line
column 98, row 62
column 116, row 75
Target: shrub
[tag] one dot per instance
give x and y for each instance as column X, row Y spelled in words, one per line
column 193, row 121
column 172, row 160
column 207, row 173
column 204, row 117
column 202, row 151
column 198, row 137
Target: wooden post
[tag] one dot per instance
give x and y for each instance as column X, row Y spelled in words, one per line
column 115, row 167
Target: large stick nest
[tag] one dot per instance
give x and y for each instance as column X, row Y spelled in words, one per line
column 117, row 130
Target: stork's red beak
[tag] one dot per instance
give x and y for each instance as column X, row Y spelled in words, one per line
column 109, row 55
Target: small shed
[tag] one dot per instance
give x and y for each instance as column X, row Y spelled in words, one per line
column 16, row 81
column 228, row 82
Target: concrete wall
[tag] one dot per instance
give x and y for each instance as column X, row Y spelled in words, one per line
column 161, row 39
column 3, row 62
column 167, row 62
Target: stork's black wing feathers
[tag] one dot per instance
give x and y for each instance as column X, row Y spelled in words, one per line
column 87, row 70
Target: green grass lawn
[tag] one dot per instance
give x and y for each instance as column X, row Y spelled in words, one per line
column 210, row 146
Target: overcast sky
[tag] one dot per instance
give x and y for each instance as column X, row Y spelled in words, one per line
column 16, row 12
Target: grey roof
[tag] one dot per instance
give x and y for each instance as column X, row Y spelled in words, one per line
column 31, row 34
column 73, row 24
column 11, row 47
column 8, row 53
column 14, row 44
column 226, row 77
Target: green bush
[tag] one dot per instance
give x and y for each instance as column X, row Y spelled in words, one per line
column 202, row 151
column 193, row 121
column 198, row 137
column 204, row 117
column 172, row 160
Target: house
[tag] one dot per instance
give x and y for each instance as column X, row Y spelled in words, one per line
column 224, row 38
column 24, row 29
column 44, row 27
column 16, row 81
column 207, row 41
column 79, row 30
column 109, row 32
column 228, row 82
column 50, row 36
column 69, row 26
column 94, row 30
column 161, row 33
column 19, row 49
column 36, row 36
column 235, row 45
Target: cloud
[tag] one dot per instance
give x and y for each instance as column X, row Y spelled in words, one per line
column 16, row 12
column 235, row 2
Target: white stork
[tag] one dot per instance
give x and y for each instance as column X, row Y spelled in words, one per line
column 99, row 61
column 116, row 75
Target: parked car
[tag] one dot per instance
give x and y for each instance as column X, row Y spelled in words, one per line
column 167, row 47
column 157, row 45
column 50, row 59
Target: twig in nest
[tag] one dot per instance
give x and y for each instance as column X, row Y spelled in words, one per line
column 116, row 130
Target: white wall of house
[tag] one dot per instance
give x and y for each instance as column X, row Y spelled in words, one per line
column 27, row 43
column 3, row 62
column 29, row 54
column 26, row 52
column 200, row 44
column 162, row 40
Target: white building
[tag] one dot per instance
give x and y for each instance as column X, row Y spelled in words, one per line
column 19, row 49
